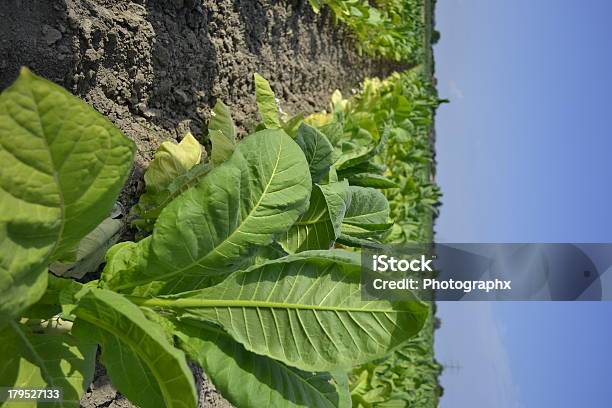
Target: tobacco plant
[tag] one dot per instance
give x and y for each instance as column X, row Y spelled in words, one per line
column 392, row 120
column 389, row 122
column 233, row 268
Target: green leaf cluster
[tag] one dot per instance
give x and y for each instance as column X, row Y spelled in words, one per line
column 407, row 378
column 234, row 268
column 397, row 113
column 382, row 138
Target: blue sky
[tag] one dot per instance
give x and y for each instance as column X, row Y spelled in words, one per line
column 523, row 155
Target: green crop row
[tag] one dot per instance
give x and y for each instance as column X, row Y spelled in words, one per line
column 392, row 29
column 406, row 379
column 406, row 102
column 245, row 262
column 400, row 111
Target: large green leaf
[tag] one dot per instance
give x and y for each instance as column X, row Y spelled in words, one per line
column 40, row 360
column 367, row 215
column 338, row 198
column 320, row 225
column 140, row 361
column 222, row 133
column 214, row 227
column 63, row 165
column 249, row 380
column 304, row 310
column 266, row 102
column 318, row 150
column 334, row 130
column 360, row 154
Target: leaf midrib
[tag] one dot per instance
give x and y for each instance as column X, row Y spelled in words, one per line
column 199, row 303
column 62, row 203
column 321, row 219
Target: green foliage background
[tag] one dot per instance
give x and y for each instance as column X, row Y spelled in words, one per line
column 405, row 105
column 246, row 263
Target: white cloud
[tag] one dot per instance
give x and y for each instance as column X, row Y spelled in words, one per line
column 454, row 89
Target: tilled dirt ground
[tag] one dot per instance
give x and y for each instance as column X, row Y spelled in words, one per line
column 155, row 68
